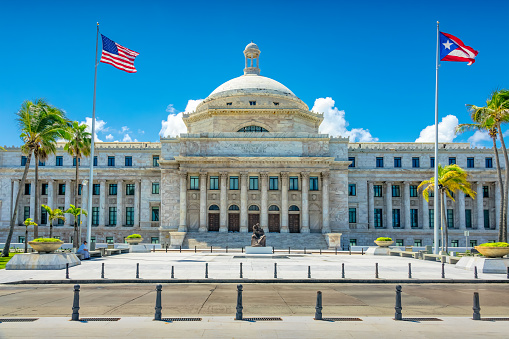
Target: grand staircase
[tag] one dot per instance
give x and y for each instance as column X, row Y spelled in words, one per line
column 202, row 240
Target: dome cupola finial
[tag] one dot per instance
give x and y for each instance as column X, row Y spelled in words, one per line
column 252, row 54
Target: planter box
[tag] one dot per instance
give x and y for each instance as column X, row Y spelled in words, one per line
column 384, row 243
column 493, row 252
column 45, row 247
column 133, row 241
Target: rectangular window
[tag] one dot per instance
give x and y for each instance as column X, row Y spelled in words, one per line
column 414, row 218
column 313, row 183
column 74, row 161
column 486, row 219
column 353, row 242
column 234, row 183
column 61, row 189
column 154, row 240
column 129, row 189
column 352, row 190
column 214, row 183
column 488, row 162
column 111, row 161
column 415, row 162
column 95, row 160
column 485, row 192
column 113, row 216
column 379, row 162
column 59, row 161
column 396, row 218
column 96, row 189
column 399, row 242
column 23, row 160
column 60, row 221
column 252, row 103
column 352, row 215
column 92, row 239
column 44, row 189
column 396, row 192
column 26, row 212
column 294, row 183
column 452, row 161
column 470, row 163
column 155, row 161
column 450, row 218
column 155, row 188
column 468, row 218
column 155, row 213
column 455, row 243
column 431, row 217
column 42, row 163
column 418, row 242
column 113, row 189
column 273, row 183
column 378, row 218
column 95, row 216
column 129, row 216
column 473, row 243
column 253, row 183
column 27, row 189
column 194, row 183
column 397, row 162
column 352, row 161
column 413, row 191
column 431, row 162
column 21, row 239
column 378, row 190
column 109, row 240
column 128, row 161
column 44, row 216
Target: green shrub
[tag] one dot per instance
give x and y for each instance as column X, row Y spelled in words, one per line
column 494, row 244
column 384, row 239
column 46, row 240
column 132, row 236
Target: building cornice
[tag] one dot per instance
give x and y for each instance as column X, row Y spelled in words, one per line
column 306, row 160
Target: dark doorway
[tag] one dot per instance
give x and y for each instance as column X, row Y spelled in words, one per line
column 253, row 220
column 214, row 222
column 274, row 223
column 294, row 223
column 233, row 222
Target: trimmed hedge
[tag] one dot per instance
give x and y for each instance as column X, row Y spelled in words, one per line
column 46, row 240
column 494, row 244
column 384, row 239
column 132, row 236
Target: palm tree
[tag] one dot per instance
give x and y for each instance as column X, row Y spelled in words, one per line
column 53, row 214
column 451, row 179
column 40, row 125
column 75, row 211
column 28, row 222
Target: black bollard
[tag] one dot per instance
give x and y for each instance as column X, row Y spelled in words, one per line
column 443, row 271
column 158, row 314
column 76, row 304
column 304, row 250
column 154, row 248
column 376, row 270
column 242, row 249
column 343, row 270
column 275, row 270
column 180, row 249
column 166, row 248
column 477, row 307
column 362, row 251
column 137, row 270
column 508, row 273
column 172, row 272
column 210, row 249
column 398, row 308
column 409, row 270
column 102, row 271
column 206, row 270
column 238, row 316
column 226, row 249
column 67, row 271
column 342, row 247
column 320, row 251
column 349, row 250
column 336, row 250
column 288, row 249
column 241, row 271
column 309, row 271
column 194, row 249
column 318, row 307
column 475, row 272
column 273, row 253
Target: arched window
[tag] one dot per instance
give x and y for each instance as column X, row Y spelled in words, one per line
column 252, row 129
column 254, row 208
column 273, row 208
column 214, row 208
column 293, row 208
column 233, row 208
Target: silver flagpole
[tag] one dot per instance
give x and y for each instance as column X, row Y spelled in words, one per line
column 436, row 196
column 91, row 180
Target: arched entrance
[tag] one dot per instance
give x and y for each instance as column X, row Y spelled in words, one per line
column 213, row 218
column 233, row 218
column 294, row 219
column 274, row 219
column 253, row 217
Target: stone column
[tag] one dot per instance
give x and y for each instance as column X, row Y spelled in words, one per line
column 84, row 205
column 51, row 198
column 498, row 196
column 388, row 204
column 243, row 201
column 461, row 210
column 371, row 204
column 68, row 217
column 479, row 206
column 32, row 199
column 264, row 218
column 425, row 213
column 224, row 203
column 120, row 203
column 183, row 202
column 325, row 202
column 284, row 202
column 137, row 192
column 15, row 188
column 304, row 226
column 102, row 202
column 406, row 201
column 203, row 202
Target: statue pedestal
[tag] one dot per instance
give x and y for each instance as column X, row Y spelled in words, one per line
column 258, row 250
column 42, row 261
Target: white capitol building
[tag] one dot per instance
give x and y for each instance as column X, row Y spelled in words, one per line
column 253, row 154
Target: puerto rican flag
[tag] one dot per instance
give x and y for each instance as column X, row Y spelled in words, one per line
column 118, row 56
column 453, row 49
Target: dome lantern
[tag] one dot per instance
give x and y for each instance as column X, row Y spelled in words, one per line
column 252, row 54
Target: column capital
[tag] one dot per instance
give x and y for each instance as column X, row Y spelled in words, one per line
column 243, row 175
column 284, row 175
column 101, row 181
column 50, row 181
column 264, row 175
column 224, row 175
column 183, row 174
column 203, row 175
column 325, row 174
column 304, row 175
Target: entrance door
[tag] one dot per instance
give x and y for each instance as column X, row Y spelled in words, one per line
column 253, row 220
column 274, row 223
column 214, row 222
column 233, row 222
column 294, row 223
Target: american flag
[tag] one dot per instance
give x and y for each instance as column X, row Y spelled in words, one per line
column 118, row 56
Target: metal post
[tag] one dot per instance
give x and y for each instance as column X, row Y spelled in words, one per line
column 158, row 314
column 102, row 271
column 304, row 250
column 320, row 251
column 336, row 248
column 349, row 250
column 309, row 271
column 238, row 316
column 180, row 249
column 376, row 270
column 137, row 270
column 362, row 251
column 226, row 249
column 475, row 272
column 194, row 249
column 435, row 174
column 443, row 271
column 242, row 249
column 508, row 273
column 409, row 270
column 210, row 249
column 166, row 248
column 477, row 307
column 343, row 270
column 288, row 249
column 318, row 307
column 206, row 270
column 76, row 304
column 67, row 271
column 154, row 248
column 172, row 272
column 240, row 270
column 398, row 315
column 273, row 252
column 275, row 270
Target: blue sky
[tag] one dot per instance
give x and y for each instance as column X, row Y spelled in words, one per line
column 375, row 60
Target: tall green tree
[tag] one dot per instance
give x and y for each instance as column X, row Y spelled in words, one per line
column 76, row 212
column 41, row 125
column 451, row 179
column 53, row 214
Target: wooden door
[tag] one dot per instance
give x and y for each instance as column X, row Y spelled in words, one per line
column 233, row 222
column 294, row 223
column 214, row 222
column 253, row 220
column 274, row 223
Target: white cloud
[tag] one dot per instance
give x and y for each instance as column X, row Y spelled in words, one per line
column 335, row 124
column 127, row 138
column 174, row 125
column 446, row 130
column 479, row 138
column 99, row 126
column 109, row 137
column 124, row 129
column 140, row 131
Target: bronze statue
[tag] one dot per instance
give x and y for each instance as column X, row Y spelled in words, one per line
column 258, row 237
